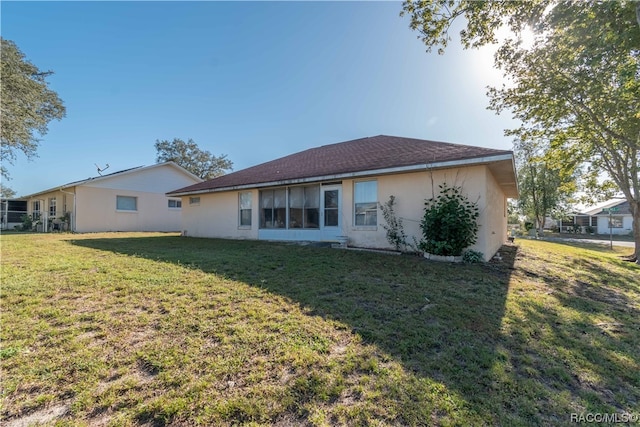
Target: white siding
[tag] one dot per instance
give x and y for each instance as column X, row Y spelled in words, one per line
column 627, row 225
column 159, row 179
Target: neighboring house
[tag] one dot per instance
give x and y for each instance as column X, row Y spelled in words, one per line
column 129, row 200
column 616, row 213
column 331, row 193
column 12, row 211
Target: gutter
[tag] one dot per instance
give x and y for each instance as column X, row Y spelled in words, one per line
column 384, row 171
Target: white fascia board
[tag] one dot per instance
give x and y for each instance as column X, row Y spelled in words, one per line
column 360, row 174
column 52, row 190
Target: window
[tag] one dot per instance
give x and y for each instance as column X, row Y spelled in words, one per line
column 304, row 207
column 244, row 207
column 331, row 208
column 273, row 208
column 615, row 222
column 366, row 203
column 126, row 203
column 52, row 207
column 194, row 200
column 64, row 203
column 175, row 204
column 35, row 210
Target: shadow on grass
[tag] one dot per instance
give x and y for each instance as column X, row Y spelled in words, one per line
column 443, row 322
column 439, row 320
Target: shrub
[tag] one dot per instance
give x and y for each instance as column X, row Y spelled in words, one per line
column 394, row 227
column 27, row 222
column 472, row 257
column 450, row 222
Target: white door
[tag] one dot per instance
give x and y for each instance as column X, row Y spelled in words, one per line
column 331, row 212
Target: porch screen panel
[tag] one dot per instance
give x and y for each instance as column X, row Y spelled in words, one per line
column 312, row 206
column 266, row 209
column 280, row 208
column 273, row 208
column 296, row 207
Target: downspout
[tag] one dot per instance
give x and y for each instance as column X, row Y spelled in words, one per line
column 44, row 215
column 73, row 214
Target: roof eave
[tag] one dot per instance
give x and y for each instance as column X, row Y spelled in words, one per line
column 358, row 174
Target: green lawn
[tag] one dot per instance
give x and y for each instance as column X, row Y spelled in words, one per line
column 154, row 329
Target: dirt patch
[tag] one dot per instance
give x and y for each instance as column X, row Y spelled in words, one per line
column 42, row 416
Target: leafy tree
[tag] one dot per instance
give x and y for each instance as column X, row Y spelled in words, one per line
column 26, row 102
column 578, row 85
column 192, row 158
column 545, row 187
column 513, row 211
column 6, row 192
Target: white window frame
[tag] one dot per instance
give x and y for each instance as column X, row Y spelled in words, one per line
column 616, row 219
column 368, row 212
column 245, row 203
column 119, row 207
column 177, row 204
column 194, row 201
column 36, row 212
column 53, row 208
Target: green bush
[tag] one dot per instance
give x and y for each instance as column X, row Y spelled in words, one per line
column 27, row 222
column 472, row 257
column 450, row 222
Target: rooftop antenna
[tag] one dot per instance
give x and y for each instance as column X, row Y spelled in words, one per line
column 100, row 170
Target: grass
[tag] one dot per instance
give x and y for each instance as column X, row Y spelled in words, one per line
column 155, row 329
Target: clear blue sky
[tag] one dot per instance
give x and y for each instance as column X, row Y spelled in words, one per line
column 253, row 80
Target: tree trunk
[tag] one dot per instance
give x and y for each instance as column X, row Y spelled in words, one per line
column 635, row 212
column 540, row 225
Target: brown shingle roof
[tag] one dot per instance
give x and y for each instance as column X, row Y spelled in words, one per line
column 359, row 155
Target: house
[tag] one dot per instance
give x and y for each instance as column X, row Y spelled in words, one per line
column 611, row 217
column 332, row 192
column 129, row 200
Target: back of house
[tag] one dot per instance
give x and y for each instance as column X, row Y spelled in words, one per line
column 333, row 193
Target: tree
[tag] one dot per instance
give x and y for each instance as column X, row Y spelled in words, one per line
column 192, row 158
column 6, row 192
column 545, row 187
column 578, row 85
column 27, row 105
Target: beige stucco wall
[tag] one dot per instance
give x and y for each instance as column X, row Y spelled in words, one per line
column 493, row 218
column 217, row 213
column 96, row 211
column 412, row 189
